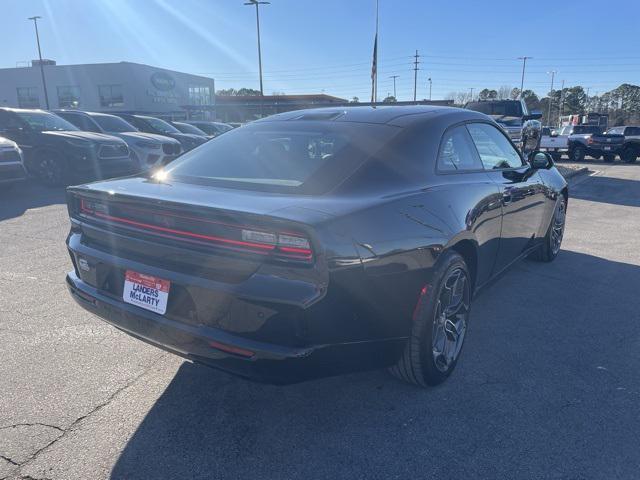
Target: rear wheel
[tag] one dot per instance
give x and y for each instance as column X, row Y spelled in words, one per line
column 439, row 325
column 578, row 153
column 548, row 251
column 629, row 155
column 50, row 169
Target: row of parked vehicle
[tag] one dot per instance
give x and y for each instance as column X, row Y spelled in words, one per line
column 62, row 146
column 580, row 141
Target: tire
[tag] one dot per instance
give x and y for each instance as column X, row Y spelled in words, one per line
column 50, row 168
column 550, row 247
column 434, row 346
column 609, row 158
column 629, row 155
column 577, row 153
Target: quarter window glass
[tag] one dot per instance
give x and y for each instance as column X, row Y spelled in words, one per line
column 493, row 147
column 457, row 152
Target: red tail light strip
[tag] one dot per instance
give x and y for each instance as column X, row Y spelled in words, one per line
column 293, row 253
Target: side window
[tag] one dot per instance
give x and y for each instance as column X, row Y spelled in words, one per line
column 495, row 150
column 457, row 152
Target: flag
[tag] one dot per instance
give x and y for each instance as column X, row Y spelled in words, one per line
column 374, row 69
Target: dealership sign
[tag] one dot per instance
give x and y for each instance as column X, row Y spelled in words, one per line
column 163, row 81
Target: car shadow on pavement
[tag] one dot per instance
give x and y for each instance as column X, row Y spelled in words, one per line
column 617, row 191
column 551, row 359
column 16, row 200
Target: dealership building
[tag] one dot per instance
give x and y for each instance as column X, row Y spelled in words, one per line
column 110, row 87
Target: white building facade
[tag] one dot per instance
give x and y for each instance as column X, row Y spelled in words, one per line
column 110, row 87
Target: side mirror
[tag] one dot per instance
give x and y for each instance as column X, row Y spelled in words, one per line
column 541, row 160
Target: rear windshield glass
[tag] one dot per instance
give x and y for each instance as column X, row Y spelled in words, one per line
column 506, row 108
column 585, row 129
column 186, row 128
column 302, row 157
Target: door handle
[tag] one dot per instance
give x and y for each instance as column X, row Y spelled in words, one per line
column 507, row 198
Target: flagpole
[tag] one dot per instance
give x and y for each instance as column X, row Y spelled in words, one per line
column 374, row 68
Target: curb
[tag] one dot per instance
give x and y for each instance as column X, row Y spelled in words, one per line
column 573, row 173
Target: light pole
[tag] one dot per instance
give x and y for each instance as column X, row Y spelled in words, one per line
column 257, row 4
column 553, row 74
column 394, row 85
column 524, row 64
column 429, row 88
column 471, row 93
column 44, row 83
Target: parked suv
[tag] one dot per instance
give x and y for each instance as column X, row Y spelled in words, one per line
column 514, row 117
column 148, row 149
column 11, row 165
column 57, row 153
column 188, row 128
column 160, row 127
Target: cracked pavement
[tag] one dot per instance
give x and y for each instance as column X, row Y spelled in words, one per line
column 547, row 386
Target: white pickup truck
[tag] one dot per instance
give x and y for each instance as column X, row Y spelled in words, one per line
column 555, row 141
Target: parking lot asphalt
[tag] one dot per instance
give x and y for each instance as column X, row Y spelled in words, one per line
column 548, row 385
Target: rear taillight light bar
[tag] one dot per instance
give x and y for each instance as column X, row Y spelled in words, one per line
column 280, row 245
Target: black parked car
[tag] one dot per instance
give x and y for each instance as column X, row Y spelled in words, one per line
column 160, row 127
column 317, row 242
column 56, row 152
column 210, row 128
column 188, row 128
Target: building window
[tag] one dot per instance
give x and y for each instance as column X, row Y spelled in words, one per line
column 111, row 95
column 28, row 97
column 199, row 95
column 69, row 96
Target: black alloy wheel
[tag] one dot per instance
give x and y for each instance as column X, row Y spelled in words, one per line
column 439, row 326
column 552, row 241
column 50, row 169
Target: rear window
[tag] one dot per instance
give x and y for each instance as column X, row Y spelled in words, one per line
column 303, row 157
column 503, row 108
column 586, row 129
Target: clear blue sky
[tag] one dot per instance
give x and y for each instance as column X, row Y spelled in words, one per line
column 310, row 46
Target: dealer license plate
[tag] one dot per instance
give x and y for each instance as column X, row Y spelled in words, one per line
column 607, row 148
column 145, row 291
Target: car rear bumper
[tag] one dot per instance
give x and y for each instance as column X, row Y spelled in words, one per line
column 255, row 360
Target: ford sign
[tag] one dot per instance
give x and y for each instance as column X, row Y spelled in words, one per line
column 163, row 81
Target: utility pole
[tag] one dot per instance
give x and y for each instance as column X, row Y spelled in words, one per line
column 429, row 88
column 553, row 75
column 524, row 64
column 257, row 4
column 415, row 75
column 394, row 85
column 44, row 82
column 561, row 101
column 471, row 94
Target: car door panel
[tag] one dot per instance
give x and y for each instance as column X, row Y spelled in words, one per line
column 523, row 194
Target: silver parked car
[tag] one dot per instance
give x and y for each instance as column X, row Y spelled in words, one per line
column 149, row 149
column 11, row 163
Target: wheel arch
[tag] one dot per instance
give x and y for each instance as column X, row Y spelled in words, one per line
column 468, row 249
